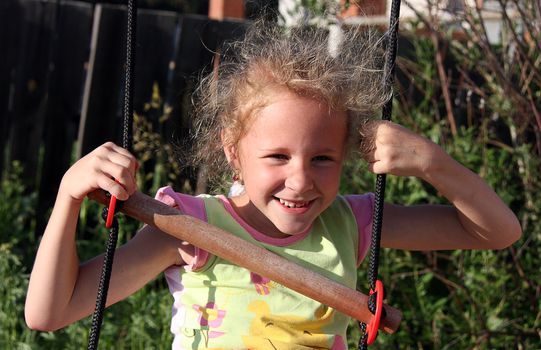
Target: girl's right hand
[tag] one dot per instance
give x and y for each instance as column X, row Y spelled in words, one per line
column 393, row 149
column 109, row 167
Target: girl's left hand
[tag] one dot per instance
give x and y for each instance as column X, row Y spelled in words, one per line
column 393, row 149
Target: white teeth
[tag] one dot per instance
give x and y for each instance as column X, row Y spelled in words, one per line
column 292, row 205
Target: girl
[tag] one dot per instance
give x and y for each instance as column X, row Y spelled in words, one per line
column 282, row 115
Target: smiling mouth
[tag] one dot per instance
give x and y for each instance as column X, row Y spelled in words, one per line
column 291, row 204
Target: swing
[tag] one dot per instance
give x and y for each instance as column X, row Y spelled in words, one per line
column 370, row 311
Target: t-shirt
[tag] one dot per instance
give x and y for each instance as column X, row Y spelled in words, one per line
column 219, row 305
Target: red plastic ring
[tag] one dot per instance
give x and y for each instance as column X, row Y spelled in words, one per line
column 110, row 212
column 373, row 326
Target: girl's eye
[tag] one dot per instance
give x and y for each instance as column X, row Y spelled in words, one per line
column 278, row 156
column 322, row 158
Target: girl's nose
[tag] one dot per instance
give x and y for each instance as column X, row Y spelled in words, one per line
column 299, row 180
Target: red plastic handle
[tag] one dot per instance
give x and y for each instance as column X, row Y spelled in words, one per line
column 110, row 212
column 373, row 326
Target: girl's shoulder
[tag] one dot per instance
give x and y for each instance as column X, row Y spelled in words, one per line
column 193, row 257
column 185, row 203
column 362, row 208
column 361, row 205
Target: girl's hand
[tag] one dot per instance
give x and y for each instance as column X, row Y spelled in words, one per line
column 109, row 167
column 393, row 149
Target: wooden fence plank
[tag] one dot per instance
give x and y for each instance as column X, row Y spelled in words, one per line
column 10, row 22
column 101, row 111
column 31, row 84
column 192, row 54
column 155, row 46
column 72, row 39
column 228, row 30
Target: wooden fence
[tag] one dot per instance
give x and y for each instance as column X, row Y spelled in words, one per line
column 61, row 77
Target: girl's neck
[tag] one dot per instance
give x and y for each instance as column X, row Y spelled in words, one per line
column 248, row 212
column 259, row 236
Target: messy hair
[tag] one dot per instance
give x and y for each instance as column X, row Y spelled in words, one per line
column 269, row 57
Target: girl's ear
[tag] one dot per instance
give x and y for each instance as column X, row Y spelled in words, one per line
column 230, row 151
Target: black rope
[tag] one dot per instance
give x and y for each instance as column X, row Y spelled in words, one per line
column 103, row 288
column 392, row 44
column 127, row 138
column 127, row 141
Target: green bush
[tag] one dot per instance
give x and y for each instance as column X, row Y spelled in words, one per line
column 16, row 220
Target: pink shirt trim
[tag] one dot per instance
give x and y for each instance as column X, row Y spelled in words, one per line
column 257, row 235
column 362, row 206
column 192, row 206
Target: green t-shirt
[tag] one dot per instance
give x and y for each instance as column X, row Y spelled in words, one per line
column 219, row 305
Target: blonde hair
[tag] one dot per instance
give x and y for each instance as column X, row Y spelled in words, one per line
column 299, row 59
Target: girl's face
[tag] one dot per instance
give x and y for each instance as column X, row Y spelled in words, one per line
column 290, row 160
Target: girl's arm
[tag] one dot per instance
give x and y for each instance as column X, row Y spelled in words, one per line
column 477, row 219
column 61, row 290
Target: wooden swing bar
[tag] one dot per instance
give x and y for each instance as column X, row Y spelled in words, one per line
column 254, row 258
